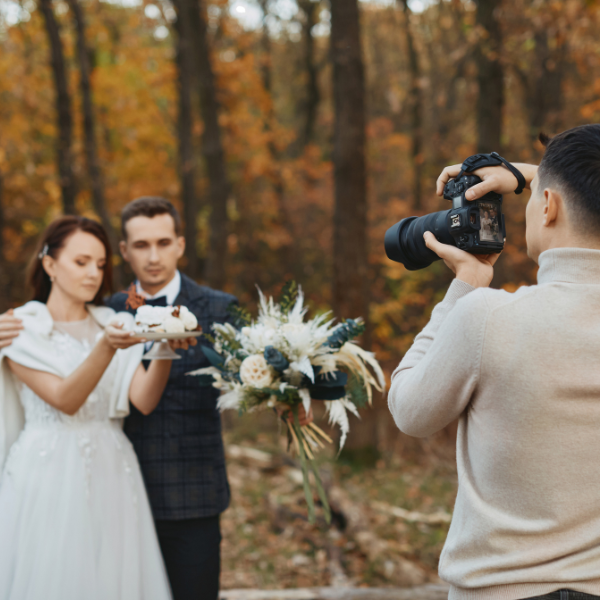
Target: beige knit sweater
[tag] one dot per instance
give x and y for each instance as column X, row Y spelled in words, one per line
column 522, row 371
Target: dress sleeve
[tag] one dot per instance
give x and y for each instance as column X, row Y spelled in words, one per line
column 31, row 349
column 127, row 363
column 437, row 377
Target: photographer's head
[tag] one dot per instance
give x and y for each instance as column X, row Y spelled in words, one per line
column 564, row 208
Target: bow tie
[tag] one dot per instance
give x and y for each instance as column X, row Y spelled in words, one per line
column 160, row 301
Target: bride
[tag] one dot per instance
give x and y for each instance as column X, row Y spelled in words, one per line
column 75, row 522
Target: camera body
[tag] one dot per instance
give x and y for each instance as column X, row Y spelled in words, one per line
column 473, row 226
column 477, row 226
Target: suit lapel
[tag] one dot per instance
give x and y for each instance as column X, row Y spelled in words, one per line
column 191, row 294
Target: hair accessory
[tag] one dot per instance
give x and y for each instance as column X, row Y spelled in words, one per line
column 44, row 252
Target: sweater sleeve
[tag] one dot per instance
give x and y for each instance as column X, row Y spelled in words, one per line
column 436, row 379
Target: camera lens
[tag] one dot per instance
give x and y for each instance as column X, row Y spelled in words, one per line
column 404, row 241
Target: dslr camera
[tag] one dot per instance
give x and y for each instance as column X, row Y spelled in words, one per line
column 476, row 226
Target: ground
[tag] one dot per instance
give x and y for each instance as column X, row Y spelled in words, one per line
column 390, row 517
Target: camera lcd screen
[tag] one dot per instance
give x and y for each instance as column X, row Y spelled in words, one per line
column 489, row 220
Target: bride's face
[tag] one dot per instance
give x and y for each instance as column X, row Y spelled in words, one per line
column 78, row 269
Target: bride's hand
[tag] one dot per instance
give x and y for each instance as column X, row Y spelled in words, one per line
column 117, row 339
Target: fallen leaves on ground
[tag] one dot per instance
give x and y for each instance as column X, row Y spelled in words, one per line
column 389, row 520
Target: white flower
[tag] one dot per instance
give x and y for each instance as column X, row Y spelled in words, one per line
column 226, row 330
column 231, row 399
column 338, row 415
column 189, row 318
column 255, row 371
column 305, row 397
column 256, row 338
column 291, row 328
column 303, row 366
column 327, row 363
column 269, row 313
column 307, row 339
column 173, row 325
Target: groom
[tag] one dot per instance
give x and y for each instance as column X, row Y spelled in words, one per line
column 179, row 446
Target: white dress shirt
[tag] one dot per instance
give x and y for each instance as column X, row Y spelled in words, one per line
column 171, row 290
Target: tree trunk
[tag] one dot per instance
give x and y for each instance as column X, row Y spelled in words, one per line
column 350, row 271
column 185, row 76
column 4, row 280
column 313, row 97
column 89, row 131
column 415, row 101
column 63, row 108
column 543, row 88
column 350, row 281
column 214, row 156
column 490, row 77
column 267, row 77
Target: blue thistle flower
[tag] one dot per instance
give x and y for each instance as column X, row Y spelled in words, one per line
column 276, row 359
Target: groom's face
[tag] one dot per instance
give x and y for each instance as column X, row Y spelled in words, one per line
column 152, row 248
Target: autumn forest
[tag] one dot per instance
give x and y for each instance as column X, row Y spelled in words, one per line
column 290, row 143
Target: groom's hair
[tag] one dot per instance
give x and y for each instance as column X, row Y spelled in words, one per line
column 149, row 206
column 572, row 164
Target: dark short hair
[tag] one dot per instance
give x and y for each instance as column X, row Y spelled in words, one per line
column 149, row 206
column 52, row 241
column 572, row 163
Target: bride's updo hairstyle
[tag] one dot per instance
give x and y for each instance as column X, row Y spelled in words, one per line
column 51, row 243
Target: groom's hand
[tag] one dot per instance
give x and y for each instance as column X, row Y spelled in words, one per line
column 10, row 328
column 183, row 344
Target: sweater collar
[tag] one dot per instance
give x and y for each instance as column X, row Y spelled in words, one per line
column 569, row 265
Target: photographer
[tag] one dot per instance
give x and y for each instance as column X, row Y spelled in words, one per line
column 522, row 373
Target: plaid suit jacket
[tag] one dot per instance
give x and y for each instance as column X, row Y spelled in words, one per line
column 179, row 445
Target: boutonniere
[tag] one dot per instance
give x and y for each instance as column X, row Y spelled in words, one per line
column 134, row 300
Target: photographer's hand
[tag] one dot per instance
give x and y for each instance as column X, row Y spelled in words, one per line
column 475, row 269
column 494, row 179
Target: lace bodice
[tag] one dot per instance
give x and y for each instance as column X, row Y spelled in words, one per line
column 73, row 352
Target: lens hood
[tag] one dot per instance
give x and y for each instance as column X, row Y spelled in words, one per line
column 393, row 245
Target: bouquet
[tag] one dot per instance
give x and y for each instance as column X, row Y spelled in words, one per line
column 281, row 361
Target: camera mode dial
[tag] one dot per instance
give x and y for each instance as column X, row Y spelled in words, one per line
column 456, row 188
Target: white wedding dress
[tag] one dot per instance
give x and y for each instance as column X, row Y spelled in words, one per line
column 75, row 523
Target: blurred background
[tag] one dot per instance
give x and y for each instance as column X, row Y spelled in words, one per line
column 291, row 134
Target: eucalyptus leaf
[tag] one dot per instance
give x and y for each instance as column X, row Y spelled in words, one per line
column 214, row 358
column 205, row 380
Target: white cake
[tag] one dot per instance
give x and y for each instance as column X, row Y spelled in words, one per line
column 165, row 319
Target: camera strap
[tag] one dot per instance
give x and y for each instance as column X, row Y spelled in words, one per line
column 478, row 161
